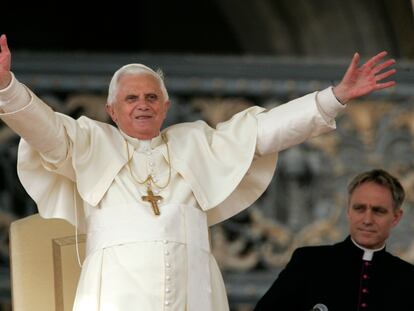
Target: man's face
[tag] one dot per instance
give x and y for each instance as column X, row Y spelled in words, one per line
column 371, row 215
column 140, row 107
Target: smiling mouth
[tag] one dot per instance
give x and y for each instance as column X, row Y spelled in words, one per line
column 143, row 117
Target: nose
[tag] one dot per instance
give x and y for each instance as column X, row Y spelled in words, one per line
column 142, row 104
column 367, row 218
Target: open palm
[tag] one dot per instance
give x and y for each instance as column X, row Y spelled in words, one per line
column 360, row 81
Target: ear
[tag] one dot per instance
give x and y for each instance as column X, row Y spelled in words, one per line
column 110, row 111
column 167, row 105
column 397, row 216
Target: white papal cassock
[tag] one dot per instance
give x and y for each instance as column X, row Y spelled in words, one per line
column 77, row 170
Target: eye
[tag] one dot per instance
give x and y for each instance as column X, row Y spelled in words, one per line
column 151, row 97
column 379, row 210
column 358, row 207
column 131, row 98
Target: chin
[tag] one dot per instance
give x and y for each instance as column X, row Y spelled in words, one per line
column 367, row 242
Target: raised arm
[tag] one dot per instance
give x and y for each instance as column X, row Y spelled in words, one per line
column 5, row 63
column 44, row 132
column 312, row 115
column 360, row 81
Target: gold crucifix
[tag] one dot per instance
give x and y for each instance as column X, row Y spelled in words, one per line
column 153, row 199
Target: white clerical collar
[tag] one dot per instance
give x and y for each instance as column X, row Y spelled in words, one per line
column 368, row 253
column 143, row 145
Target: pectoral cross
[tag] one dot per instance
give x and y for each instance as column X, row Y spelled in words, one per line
column 153, row 199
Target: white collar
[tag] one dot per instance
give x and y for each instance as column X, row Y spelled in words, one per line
column 368, row 252
column 143, row 145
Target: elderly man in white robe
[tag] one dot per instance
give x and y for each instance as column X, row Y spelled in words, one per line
column 146, row 197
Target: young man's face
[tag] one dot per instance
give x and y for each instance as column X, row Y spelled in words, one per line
column 371, row 215
column 140, row 107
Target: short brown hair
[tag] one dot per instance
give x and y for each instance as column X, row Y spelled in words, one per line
column 382, row 178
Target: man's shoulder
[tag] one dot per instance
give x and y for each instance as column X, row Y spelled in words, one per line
column 314, row 250
column 88, row 128
column 199, row 124
column 187, row 129
column 87, row 123
column 322, row 250
column 321, row 247
column 401, row 263
column 92, row 122
column 203, row 125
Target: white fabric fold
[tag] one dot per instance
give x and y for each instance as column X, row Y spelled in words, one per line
column 199, row 289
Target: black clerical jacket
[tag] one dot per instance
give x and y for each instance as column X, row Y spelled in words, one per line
column 338, row 277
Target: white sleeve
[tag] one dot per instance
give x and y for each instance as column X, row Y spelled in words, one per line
column 34, row 121
column 14, row 97
column 294, row 122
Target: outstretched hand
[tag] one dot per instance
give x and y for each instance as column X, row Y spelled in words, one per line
column 360, row 81
column 5, row 62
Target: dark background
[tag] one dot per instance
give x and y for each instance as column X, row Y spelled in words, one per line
column 300, row 28
column 144, row 26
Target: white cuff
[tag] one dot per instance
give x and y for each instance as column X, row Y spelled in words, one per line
column 328, row 104
column 14, row 97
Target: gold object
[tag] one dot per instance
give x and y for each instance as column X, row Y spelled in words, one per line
column 149, row 181
column 153, row 199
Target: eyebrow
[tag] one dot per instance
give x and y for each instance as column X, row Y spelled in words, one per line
column 382, row 207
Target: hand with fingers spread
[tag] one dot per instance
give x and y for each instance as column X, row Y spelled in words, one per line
column 360, row 81
column 5, row 63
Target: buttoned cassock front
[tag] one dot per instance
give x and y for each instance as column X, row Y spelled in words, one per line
column 136, row 260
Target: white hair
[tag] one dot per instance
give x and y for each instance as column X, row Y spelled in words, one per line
column 134, row 69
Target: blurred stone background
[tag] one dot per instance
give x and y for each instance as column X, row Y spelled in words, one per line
column 219, row 57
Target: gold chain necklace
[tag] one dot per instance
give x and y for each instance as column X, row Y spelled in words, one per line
column 150, row 197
